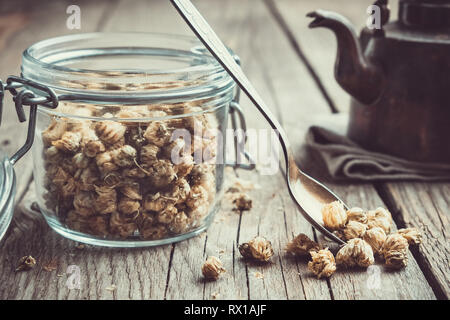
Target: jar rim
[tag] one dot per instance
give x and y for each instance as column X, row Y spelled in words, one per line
column 196, row 73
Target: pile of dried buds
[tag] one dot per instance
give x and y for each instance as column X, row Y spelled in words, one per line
column 112, row 174
column 367, row 234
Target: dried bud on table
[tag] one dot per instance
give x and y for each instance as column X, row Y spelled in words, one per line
column 352, row 230
column 26, row 263
column 395, row 251
column 334, row 215
column 302, row 245
column 381, row 218
column 322, row 263
column 412, row 235
column 357, row 214
column 376, row 238
column 356, row 252
column 212, row 268
column 259, row 249
column 242, row 202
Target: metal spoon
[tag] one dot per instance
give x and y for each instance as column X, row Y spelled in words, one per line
column 309, row 194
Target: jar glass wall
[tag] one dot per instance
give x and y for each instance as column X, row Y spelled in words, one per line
column 134, row 154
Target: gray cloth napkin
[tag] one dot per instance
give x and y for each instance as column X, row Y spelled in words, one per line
column 345, row 160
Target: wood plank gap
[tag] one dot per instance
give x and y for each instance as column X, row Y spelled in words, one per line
column 168, row 271
column 271, row 6
column 424, row 266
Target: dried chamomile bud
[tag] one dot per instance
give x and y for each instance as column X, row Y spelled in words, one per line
column 135, row 173
column 357, row 214
column 54, row 131
column 124, row 156
column 412, row 235
column 184, row 166
column 157, row 202
column 76, row 221
column 395, row 251
column 162, row 174
column 356, row 252
column 212, row 268
column 180, row 191
column 353, row 229
column 110, row 132
column 242, row 202
column 121, row 225
column 69, row 188
column 197, row 197
column 81, row 161
column 26, row 263
column 334, row 215
column 322, row 263
column 105, row 163
column 88, row 178
column 302, row 245
column 106, row 200
column 153, row 231
column 157, row 133
column 98, row 225
column 376, row 238
column 59, row 176
column 259, row 249
column 128, row 206
column 136, row 137
column 381, row 218
column 167, row 215
column 93, row 148
column 69, row 142
column 175, row 149
column 149, row 155
column 53, row 155
column 180, row 223
column 131, row 190
column 83, row 203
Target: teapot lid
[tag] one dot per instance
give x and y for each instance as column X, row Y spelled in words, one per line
column 7, row 193
column 425, row 13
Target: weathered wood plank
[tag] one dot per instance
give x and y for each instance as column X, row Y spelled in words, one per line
column 426, row 206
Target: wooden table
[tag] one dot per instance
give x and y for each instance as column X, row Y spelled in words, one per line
column 278, row 53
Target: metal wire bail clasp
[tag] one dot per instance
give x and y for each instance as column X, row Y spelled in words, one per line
column 29, row 97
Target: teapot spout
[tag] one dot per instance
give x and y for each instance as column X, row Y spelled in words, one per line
column 360, row 78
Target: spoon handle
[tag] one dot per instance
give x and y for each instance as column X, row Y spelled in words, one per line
column 211, row 41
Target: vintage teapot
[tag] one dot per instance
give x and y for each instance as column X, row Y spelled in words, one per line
column 398, row 77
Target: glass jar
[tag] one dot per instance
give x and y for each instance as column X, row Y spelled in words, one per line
column 134, row 153
column 7, row 192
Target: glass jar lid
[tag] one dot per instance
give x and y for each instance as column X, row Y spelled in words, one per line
column 7, row 193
